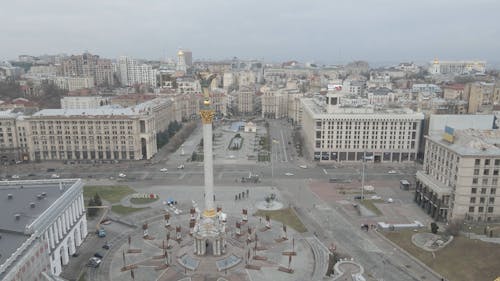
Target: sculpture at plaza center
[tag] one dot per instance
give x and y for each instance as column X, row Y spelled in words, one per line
column 208, row 229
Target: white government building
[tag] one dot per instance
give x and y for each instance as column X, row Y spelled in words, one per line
column 42, row 223
column 338, row 132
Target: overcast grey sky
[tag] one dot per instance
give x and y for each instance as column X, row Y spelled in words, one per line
column 327, row 31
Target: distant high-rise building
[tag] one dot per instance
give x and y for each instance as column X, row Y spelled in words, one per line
column 88, row 65
column 131, row 72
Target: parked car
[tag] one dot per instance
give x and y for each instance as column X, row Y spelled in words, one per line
column 289, row 174
column 303, row 166
column 15, row 177
column 181, row 166
column 358, row 197
column 392, row 172
column 97, row 255
column 122, row 175
column 164, row 170
column 55, row 176
column 51, row 170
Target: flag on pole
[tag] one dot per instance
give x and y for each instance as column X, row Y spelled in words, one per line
column 124, row 263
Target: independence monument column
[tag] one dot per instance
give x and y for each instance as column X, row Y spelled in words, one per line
column 207, row 115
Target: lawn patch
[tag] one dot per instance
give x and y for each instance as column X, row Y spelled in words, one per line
column 462, row 260
column 110, row 193
column 370, row 205
column 122, row 210
column 285, row 216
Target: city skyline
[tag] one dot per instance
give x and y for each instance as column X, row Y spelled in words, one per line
column 386, row 31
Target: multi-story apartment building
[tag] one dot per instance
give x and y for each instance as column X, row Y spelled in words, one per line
column 13, row 138
column 188, row 85
column 131, row 72
column 453, row 91
column 336, row 132
column 245, row 100
column 478, row 94
column 438, row 67
column 219, row 101
column 274, row 103
column 104, row 133
column 88, row 65
column 73, row 83
column 75, row 102
column 460, row 175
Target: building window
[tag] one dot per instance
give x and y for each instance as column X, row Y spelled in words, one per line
column 497, row 162
column 481, row 200
column 485, row 181
column 480, row 209
column 473, row 200
column 486, row 172
column 474, row 181
column 473, row 190
column 483, row 190
column 477, row 162
column 492, row 200
column 476, row 172
column 494, row 181
column 493, row 191
column 487, row 162
column 495, row 172
column 490, row 209
column 471, row 209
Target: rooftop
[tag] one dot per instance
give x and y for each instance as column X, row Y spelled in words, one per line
column 21, row 203
column 472, row 142
column 317, row 106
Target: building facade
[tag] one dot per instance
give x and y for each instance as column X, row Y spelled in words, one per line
column 438, row 67
column 245, row 100
column 460, row 175
column 75, row 102
column 335, row 133
column 131, row 72
column 13, row 138
column 88, row 65
column 43, row 223
column 104, row 133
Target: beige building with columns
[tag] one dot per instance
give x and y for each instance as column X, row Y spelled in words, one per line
column 105, row 133
column 460, row 175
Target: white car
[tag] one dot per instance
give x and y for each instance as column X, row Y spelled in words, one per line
column 181, row 166
column 164, row 170
column 303, row 166
column 288, row 174
column 15, row 176
column 122, row 175
column 392, row 172
column 55, row 176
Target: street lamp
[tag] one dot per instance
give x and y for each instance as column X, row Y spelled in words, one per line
column 363, row 176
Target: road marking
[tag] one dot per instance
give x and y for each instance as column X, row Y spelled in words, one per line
column 182, row 176
column 324, row 171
